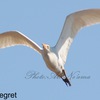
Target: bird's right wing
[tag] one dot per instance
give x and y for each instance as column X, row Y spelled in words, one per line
column 73, row 23
column 13, row 38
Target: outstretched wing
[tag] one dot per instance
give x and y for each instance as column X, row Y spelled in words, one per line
column 73, row 23
column 13, row 38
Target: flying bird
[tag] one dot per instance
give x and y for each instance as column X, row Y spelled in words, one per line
column 55, row 57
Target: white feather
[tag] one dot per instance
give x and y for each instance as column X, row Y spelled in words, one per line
column 73, row 23
column 13, row 38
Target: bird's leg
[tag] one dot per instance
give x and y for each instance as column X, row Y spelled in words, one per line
column 65, row 79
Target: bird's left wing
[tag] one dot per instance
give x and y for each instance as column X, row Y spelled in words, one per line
column 13, row 38
column 73, row 23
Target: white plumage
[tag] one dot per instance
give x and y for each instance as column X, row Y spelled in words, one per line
column 55, row 57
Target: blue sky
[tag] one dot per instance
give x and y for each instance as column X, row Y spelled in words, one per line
column 42, row 21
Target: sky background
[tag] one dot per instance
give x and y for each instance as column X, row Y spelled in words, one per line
column 42, row 21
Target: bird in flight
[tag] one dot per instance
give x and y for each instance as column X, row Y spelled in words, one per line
column 55, row 57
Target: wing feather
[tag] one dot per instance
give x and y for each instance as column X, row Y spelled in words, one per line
column 73, row 23
column 13, row 38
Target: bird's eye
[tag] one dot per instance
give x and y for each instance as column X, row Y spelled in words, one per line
column 48, row 47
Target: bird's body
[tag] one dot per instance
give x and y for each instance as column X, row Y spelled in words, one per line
column 55, row 57
column 53, row 62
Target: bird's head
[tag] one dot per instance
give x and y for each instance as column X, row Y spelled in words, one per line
column 46, row 47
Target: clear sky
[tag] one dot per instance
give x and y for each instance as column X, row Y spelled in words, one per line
column 42, row 21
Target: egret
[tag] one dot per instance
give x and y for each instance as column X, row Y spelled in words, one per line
column 55, row 57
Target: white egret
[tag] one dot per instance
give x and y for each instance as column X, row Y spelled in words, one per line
column 55, row 57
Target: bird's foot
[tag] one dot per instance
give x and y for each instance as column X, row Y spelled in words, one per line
column 66, row 80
